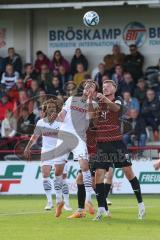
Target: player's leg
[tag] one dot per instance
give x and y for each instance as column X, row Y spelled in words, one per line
column 81, row 194
column 65, row 190
column 108, row 184
column 47, row 185
column 58, row 183
column 128, row 171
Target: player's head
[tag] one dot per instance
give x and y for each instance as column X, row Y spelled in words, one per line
column 109, row 88
column 90, row 86
column 50, row 107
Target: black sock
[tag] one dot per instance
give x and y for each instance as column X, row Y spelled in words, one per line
column 100, row 194
column 81, row 193
column 137, row 189
column 107, row 188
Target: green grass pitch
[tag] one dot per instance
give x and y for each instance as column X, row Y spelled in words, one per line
column 23, row 218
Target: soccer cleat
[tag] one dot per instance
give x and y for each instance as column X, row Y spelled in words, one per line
column 108, row 214
column 59, row 209
column 141, row 212
column 109, row 203
column 98, row 216
column 49, row 206
column 90, row 207
column 67, row 207
column 77, row 214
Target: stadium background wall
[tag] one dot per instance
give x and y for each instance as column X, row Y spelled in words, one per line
column 32, row 30
column 20, row 177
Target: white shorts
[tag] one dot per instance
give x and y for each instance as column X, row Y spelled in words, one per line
column 51, row 164
column 79, row 152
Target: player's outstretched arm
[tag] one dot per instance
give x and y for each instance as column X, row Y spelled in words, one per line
column 27, row 151
column 112, row 106
column 61, row 116
column 157, row 165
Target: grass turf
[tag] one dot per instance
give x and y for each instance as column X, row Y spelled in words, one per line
column 23, row 218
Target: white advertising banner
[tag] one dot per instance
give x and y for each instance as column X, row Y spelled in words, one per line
column 18, row 177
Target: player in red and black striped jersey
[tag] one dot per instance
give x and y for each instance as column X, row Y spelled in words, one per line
column 110, row 148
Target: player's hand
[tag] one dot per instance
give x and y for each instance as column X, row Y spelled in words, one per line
column 27, row 154
column 101, row 97
column 157, row 165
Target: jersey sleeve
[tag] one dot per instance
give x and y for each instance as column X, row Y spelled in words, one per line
column 38, row 129
column 67, row 104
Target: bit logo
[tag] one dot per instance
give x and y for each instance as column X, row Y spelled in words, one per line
column 135, row 33
column 12, row 175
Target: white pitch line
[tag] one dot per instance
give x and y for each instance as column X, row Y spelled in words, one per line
column 45, row 212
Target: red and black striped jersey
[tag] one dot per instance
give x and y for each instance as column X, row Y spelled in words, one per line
column 109, row 123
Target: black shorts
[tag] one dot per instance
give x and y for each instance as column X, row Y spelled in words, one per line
column 111, row 154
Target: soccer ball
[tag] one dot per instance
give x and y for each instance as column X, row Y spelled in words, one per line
column 91, row 18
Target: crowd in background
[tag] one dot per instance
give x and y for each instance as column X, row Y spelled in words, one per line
column 24, row 87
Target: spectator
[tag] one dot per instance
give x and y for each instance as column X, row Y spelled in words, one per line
column 98, row 77
column 151, row 112
column 41, row 60
column 78, row 58
column 57, row 61
column 133, row 63
column 9, row 77
column 129, row 103
column 13, row 93
column 140, row 91
column 55, row 88
column 29, row 74
column 24, row 101
column 127, row 85
column 34, row 90
column 5, row 104
column 9, row 125
column 63, row 76
column 26, row 123
column 14, row 59
column 70, row 89
column 111, row 60
column 79, row 76
column 137, row 135
column 1, row 66
column 45, row 76
column 117, row 76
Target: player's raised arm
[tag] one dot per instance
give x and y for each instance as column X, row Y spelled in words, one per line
column 65, row 108
column 113, row 106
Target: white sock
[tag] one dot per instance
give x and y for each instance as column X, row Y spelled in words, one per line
column 47, row 186
column 87, row 179
column 141, row 205
column 58, row 182
column 65, row 191
column 101, row 209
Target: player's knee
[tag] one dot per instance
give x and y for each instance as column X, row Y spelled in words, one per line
column 128, row 173
column 99, row 177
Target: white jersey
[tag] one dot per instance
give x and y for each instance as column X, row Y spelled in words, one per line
column 77, row 119
column 49, row 133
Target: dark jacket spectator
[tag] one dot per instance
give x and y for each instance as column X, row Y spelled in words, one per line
column 151, row 110
column 34, row 90
column 9, row 77
column 78, row 58
column 111, row 60
column 41, row 60
column 63, row 76
column 29, row 74
column 14, row 59
column 140, row 91
column 57, row 61
column 127, row 85
column 55, row 87
column 130, row 103
column 133, row 63
column 137, row 134
column 118, row 76
column 26, row 123
column 1, row 66
column 98, row 77
column 45, row 76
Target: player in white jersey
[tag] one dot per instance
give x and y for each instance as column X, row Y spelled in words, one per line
column 48, row 128
column 75, row 117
